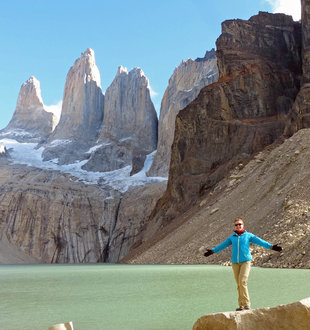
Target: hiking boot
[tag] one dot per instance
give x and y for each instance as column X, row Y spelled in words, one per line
column 239, row 309
column 247, row 308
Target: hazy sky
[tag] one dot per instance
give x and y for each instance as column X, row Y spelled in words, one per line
column 43, row 38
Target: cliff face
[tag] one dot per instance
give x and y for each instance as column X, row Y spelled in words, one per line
column 183, row 87
column 240, row 114
column 299, row 116
column 30, row 121
column 55, row 219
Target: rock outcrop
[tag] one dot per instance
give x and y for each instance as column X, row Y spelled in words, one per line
column 260, row 68
column 30, row 121
column 82, row 112
column 183, row 87
column 130, row 123
column 286, row 317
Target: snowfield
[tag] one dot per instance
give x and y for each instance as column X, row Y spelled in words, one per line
column 27, row 154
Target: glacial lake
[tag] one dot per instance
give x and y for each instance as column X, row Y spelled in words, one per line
column 134, row 297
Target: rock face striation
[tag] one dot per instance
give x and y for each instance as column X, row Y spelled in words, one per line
column 82, row 112
column 184, row 86
column 290, row 316
column 259, row 77
column 130, row 123
column 30, row 121
column 55, row 219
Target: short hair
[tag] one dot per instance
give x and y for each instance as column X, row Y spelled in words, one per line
column 239, row 218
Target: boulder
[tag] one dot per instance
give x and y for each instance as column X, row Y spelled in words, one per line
column 286, row 317
column 62, row 326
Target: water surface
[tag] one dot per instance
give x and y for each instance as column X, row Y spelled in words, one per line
column 133, row 297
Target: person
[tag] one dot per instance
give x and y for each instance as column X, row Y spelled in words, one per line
column 241, row 258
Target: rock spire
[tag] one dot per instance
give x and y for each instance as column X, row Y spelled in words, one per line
column 128, row 110
column 81, row 115
column 129, row 129
column 30, row 121
column 82, row 107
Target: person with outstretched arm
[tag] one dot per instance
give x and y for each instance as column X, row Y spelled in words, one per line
column 241, row 258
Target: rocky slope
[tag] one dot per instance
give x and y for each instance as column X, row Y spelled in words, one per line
column 271, row 192
column 259, row 63
column 30, row 121
column 184, row 85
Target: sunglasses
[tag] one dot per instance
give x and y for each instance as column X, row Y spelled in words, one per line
column 238, row 224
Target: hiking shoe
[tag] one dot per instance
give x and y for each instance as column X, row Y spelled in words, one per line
column 239, row 309
column 247, row 308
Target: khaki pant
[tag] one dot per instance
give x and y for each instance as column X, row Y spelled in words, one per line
column 241, row 273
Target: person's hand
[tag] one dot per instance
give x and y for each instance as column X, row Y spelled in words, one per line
column 208, row 253
column 276, row 247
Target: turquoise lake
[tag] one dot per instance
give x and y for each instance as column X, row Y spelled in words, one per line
column 134, row 297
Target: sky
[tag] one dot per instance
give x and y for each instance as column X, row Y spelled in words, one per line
column 43, row 38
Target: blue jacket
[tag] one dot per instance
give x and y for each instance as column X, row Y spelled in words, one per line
column 241, row 246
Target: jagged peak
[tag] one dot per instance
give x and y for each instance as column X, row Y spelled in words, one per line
column 30, row 93
column 89, row 51
column 87, row 64
column 121, row 69
column 32, row 81
column 135, row 72
column 209, row 55
column 188, row 61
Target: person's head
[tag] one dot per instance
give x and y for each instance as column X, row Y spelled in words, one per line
column 239, row 224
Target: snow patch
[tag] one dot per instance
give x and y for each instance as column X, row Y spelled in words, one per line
column 27, row 154
column 93, row 149
column 59, row 142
